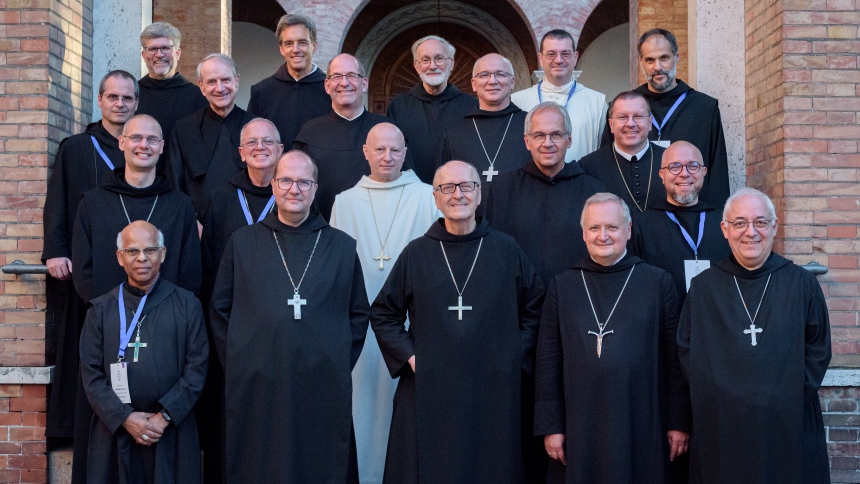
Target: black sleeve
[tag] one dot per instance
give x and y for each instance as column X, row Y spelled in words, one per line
column 221, row 303
column 56, row 214
column 190, row 270
column 531, row 294
column 179, row 401
column 359, row 312
column 388, row 318
column 82, row 253
column 679, row 412
column 716, row 189
column 817, row 347
column 549, row 373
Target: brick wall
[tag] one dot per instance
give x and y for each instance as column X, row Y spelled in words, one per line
column 45, row 84
column 670, row 15
column 840, row 406
column 205, row 26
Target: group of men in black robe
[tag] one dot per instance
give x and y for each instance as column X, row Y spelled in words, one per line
column 510, row 386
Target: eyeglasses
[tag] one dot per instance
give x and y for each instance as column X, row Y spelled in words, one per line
column 267, row 142
column 637, row 118
column 500, row 75
column 465, row 187
column 165, row 49
column 555, row 137
column 112, row 98
column 740, row 225
column 286, row 184
column 349, row 77
column 138, row 138
column 565, row 55
column 675, row 168
column 439, row 60
column 149, row 252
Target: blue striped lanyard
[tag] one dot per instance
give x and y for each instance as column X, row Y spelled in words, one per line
column 668, row 115
column 569, row 95
column 244, row 203
column 102, row 153
column 686, row 235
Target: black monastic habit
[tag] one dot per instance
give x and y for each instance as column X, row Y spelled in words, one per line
column 634, row 185
column 78, row 168
column 169, row 100
column 101, row 217
column 290, row 103
column 204, row 153
column 335, row 144
column 542, row 213
column 696, row 120
column 462, row 142
column 168, row 376
column 616, row 408
column 288, row 388
column 457, row 419
column 423, row 119
column 659, row 241
column 756, row 413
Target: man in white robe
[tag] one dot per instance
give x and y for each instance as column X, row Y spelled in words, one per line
column 383, row 212
column 587, row 107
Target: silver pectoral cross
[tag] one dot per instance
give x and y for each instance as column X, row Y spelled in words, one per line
column 382, row 258
column 459, row 308
column 137, row 345
column 490, row 173
column 297, row 302
column 752, row 331
column 600, row 339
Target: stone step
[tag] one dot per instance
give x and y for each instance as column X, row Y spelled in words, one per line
column 60, row 465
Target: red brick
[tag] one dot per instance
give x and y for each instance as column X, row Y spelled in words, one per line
column 21, row 434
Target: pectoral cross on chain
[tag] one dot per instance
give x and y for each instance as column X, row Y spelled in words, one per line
column 382, row 258
column 490, row 174
column 600, row 340
column 752, row 331
column 297, row 302
column 459, row 308
column 137, row 345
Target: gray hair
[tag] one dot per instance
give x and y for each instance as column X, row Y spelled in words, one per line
column 605, row 197
column 221, row 57
column 507, row 61
column 122, row 75
column 160, row 30
column 473, row 171
column 361, row 69
column 119, row 245
column 449, row 49
column 289, row 20
column 749, row 192
column 260, row 120
column 551, row 106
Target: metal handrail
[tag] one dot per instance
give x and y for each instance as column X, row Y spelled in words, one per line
column 19, row 267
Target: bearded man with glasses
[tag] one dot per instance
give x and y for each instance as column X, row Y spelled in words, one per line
column 754, row 344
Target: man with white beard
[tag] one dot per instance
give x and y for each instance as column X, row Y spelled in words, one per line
column 427, row 109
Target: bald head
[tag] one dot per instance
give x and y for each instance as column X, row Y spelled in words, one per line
column 454, row 169
column 493, row 82
column 385, row 151
column 142, row 120
column 346, row 83
column 140, row 252
column 492, row 60
column 682, row 149
column 683, row 173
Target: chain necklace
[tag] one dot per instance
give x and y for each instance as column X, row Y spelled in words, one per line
column 753, row 330
column 126, row 211
column 459, row 307
column 601, row 327
column 297, row 302
column 650, row 174
column 491, row 172
column 382, row 257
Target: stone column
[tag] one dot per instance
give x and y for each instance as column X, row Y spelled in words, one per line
column 116, row 39
column 205, row 26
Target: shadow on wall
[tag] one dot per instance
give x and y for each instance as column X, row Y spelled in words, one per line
column 255, row 51
column 605, row 63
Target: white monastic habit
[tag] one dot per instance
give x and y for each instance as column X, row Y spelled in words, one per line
column 587, row 109
column 372, row 386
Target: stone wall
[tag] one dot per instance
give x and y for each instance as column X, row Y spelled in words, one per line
column 205, row 27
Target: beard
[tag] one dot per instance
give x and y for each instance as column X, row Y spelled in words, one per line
column 670, row 77
column 684, row 199
column 434, row 81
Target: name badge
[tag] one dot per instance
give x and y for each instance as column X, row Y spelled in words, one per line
column 662, row 143
column 119, row 381
column 692, row 268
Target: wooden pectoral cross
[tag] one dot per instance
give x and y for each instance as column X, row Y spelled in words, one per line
column 297, row 302
column 752, row 331
column 490, row 173
column 600, row 339
column 137, row 345
column 459, row 308
column 382, row 257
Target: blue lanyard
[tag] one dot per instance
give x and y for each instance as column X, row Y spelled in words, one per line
column 569, row 95
column 102, row 153
column 686, row 235
column 125, row 334
column 244, row 204
column 668, row 115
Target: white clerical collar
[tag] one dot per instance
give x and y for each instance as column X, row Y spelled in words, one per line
column 627, row 156
column 617, row 261
column 547, row 86
column 352, row 118
column 309, row 73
